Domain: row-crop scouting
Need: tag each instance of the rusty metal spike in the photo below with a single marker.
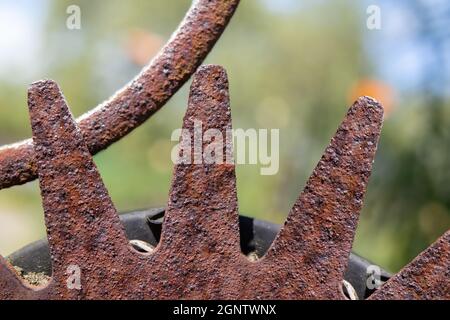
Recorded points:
(202, 211)
(317, 237)
(143, 96)
(82, 223)
(199, 256)
(427, 277)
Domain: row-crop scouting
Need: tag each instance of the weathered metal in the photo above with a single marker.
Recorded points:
(426, 277)
(256, 236)
(199, 254)
(83, 227)
(142, 97)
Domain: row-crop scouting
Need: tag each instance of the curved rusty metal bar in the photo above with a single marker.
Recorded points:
(143, 96)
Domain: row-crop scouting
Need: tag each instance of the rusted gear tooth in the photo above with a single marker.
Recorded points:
(84, 230)
(11, 286)
(316, 240)
(143, 96)
(202, 214)
(427, 277)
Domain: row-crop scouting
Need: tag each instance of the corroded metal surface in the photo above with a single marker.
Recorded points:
(199, 254)
(315, 242)
(426, 277)
(83, 227)
(142, 97)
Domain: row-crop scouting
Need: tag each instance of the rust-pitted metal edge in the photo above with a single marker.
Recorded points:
(83, 227)
(309, 256)
(195, 259)
(201, 231)
(142, 97)
(427, 277)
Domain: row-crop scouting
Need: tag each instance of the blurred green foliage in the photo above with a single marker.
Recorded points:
(291, 70)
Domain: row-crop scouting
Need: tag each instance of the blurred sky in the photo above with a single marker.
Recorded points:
(402, 59)
(21, 27)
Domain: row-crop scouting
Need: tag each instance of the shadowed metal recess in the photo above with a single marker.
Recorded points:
(199, 255)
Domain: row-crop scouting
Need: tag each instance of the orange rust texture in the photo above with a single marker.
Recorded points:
(426, 277)
(199, 255)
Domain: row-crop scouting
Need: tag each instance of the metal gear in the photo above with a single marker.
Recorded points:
(198, 256)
